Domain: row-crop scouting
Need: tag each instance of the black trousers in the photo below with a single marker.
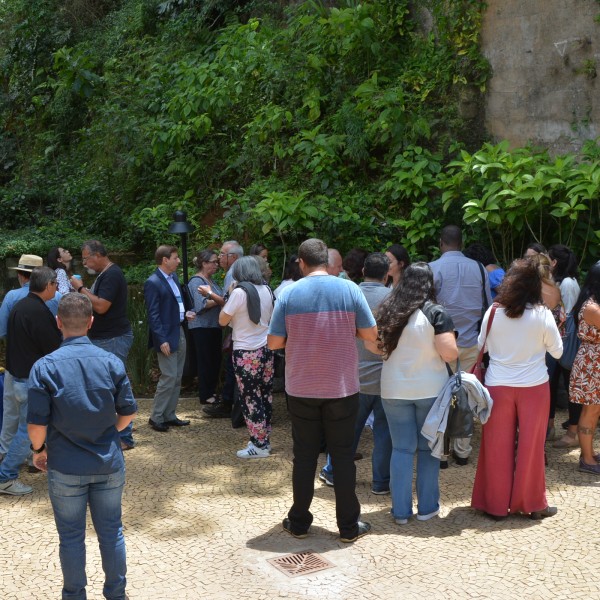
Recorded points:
(335, 418)
(207, 343)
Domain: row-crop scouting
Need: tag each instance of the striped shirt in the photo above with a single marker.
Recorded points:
(319, 316)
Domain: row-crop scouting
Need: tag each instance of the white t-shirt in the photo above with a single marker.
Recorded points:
(246, 334)
(415, 370)
(518, 347)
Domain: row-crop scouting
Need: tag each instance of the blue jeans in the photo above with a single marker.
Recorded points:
(69, 495)
(382, 441)
(18, 449)
(406, 418)
(15, 395)
(120, 347)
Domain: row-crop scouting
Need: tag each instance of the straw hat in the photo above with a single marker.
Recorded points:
(28, 262)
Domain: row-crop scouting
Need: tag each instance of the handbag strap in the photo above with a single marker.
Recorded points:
(484, 300)
(487, 332)
(458, 381)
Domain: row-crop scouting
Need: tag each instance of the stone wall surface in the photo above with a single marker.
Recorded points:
(544, 56)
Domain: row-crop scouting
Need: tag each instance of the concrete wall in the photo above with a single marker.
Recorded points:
(544, 87)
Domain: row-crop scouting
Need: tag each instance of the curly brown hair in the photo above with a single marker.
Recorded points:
(522, 285)
(414, 289)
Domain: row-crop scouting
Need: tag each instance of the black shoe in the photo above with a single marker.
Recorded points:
(443, 464)
(549, 511)
(460, 461)
(287, 526)
(217, 411)
(162, 427)
(177, 422)
(565, 424)
(363, 529)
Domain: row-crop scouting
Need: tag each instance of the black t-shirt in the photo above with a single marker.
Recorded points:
(32, 333)
(111, 286)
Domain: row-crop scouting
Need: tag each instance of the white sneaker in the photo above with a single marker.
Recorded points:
(14, 487)
(251, 451)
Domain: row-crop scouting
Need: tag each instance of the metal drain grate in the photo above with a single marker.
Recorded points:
(300, 563)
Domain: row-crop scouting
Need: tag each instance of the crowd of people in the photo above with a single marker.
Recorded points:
(391, 330)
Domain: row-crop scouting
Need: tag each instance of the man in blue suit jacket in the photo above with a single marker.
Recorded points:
(166, 315)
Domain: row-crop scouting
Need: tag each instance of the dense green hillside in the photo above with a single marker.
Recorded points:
(263, 119)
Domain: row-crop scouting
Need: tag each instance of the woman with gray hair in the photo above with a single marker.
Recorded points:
(248, 312)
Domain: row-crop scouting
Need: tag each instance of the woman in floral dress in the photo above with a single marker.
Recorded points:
(584, 385)
(248, 312)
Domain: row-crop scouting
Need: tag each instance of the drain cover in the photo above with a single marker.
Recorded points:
(300, 563)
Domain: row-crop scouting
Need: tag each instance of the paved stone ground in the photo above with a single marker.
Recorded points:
(201, 523)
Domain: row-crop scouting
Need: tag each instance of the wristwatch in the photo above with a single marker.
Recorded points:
(80, 288)
(39, 450)
(209, 294)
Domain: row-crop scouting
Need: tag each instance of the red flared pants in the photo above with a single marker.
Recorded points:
(512, 478)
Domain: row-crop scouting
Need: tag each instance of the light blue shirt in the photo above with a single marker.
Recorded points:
(176, 293)
(13, 297)
(458, 288)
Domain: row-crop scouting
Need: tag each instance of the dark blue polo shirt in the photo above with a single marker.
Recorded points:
(77, 391)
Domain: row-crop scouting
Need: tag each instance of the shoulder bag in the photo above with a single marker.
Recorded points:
(460, 417)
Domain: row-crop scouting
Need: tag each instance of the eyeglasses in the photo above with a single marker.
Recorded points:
(227, 254)
(55, 283)
(214, 262)
(85, 258)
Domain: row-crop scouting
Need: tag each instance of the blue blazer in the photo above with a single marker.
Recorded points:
(163, 311)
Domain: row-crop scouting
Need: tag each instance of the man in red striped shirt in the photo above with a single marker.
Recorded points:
(317, 320)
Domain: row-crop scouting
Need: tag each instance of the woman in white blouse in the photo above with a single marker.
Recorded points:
(512, 480)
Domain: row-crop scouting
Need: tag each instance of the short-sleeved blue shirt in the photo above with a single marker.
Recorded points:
(319, 316)
(77, 391)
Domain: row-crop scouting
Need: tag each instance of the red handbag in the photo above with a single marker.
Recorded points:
(479, 367)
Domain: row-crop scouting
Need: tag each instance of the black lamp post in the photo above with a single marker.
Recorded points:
(182, 227)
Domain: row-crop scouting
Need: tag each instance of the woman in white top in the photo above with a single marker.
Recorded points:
(248, 312)
(416, 340)
(509, 479)
(564, 273)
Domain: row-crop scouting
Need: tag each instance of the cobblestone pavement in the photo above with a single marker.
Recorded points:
(201, 523)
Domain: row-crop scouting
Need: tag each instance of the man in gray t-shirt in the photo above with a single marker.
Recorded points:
(369, 373)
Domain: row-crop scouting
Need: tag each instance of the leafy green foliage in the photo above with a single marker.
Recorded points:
(278, 124)
(523, 195)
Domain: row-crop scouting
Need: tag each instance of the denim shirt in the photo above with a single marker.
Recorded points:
(77, 391)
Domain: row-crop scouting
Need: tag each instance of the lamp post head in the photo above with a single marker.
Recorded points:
(180, 224)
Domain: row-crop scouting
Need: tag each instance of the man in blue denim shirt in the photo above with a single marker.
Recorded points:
(79, 400)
